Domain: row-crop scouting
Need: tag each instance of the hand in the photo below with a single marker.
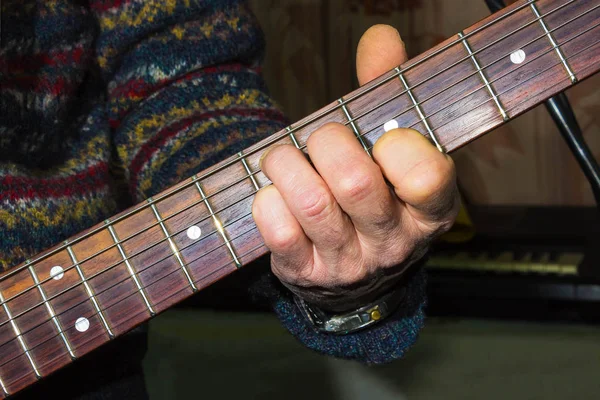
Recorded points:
(339, 236)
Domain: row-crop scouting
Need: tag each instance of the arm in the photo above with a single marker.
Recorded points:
(184, 89)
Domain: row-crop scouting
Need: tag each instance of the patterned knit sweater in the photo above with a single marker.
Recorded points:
(104, 103)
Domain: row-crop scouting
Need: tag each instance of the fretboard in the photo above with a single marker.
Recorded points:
(96, 286)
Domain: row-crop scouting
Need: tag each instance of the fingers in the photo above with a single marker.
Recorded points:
(283, 235)
(310, 201)
(379, 50)
(423, 178)
(326, 226)
(355, 181)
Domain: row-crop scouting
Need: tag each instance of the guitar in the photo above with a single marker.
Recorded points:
(103, 282)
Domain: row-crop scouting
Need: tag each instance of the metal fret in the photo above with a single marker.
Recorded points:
(354, 128)
(554, 44)
(219, 226)
(312, 118)
(484, 78)
(90, 292)
(4, 389)
(52, 313)
(248, 171)
(291, 134)
(174, 248)
(421, 115)
(129, 268)
(19, 337)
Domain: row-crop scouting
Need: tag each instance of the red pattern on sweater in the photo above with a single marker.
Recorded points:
(105, 5)
(139, 88)
(55, 58)
(92, 179)
(158, 141)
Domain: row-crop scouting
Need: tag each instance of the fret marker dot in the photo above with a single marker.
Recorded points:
(194, 232)
(56, 272)
(517, 57)
(82, 324)
(388, 126)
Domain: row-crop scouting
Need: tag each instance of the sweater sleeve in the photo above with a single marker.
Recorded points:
(184, 92)
(184, 89)
(380, 344)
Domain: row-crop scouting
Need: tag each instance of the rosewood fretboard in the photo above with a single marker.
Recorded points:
(96, 286)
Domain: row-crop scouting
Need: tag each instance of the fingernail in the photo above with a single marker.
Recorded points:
(262, 157)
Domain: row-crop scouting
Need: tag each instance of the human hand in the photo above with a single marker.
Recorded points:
(339, 235)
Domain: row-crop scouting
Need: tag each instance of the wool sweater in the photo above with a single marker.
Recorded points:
(104, 103)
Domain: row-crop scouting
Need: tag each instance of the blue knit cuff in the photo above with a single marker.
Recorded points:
(379, 344)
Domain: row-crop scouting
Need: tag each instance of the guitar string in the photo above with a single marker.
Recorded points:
(195, 243)
(69, 330)
(119, 242)
(249, 252)
(581, 72)
(133, 293)
(588, 46)
(350, 121)
(153, 225)
(262, 245)
(256, 172)
(366, 89)
(137, 274)
(346, 123)
(517, 85)
(529, 60)
(493, 81)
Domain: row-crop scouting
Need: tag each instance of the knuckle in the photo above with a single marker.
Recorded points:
(356, 274)
(285, 272)
(309, 276)
(344, 275)
(316, 204)
(449, 212)
(356, 187)
(386, 221)
(443, 214)
(446, 209)
(284, 238)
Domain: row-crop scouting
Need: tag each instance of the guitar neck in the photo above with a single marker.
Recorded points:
(100, 284)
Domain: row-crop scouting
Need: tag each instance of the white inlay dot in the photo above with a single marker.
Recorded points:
(56, 272)
(194, 232)
(388, 126)
(82, 324)
(517, 57)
